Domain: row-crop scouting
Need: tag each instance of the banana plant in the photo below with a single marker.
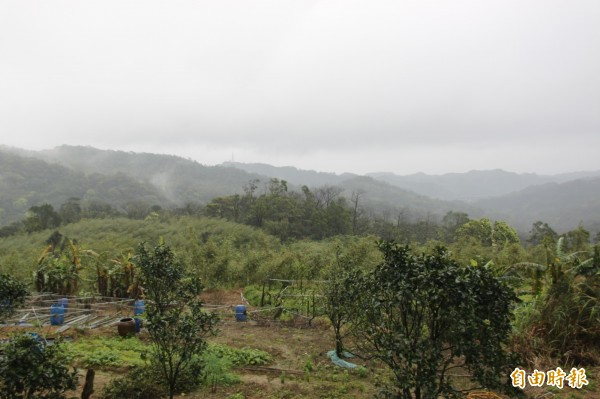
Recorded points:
(123, 278)
(558, 264)
(60, 272)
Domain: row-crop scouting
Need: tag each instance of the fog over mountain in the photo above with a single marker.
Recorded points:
(335, 86)
(469, 186)
(563, 205)
(475, 184)
(30, 178)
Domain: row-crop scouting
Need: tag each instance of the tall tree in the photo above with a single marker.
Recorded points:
(451, 223)
(40, 218)
(70, 211)
(577, 239)
(356, 210)
(542, 233)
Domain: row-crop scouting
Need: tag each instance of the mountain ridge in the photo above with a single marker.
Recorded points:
(475, 184)
(169, 180)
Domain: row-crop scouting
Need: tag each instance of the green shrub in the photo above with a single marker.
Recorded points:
(105, 352)
(147, 381)
(28, 369)
(139, 383)
(217, 371)
(12, 295)
(101, 360)
(240, 357)
(253, 294)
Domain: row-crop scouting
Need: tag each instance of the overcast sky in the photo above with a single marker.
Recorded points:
(359, 86)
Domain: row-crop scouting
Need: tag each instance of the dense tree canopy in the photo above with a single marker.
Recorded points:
(496, 235)
(424, 316)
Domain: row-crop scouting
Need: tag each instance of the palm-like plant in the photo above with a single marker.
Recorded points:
(120, 279)
(558, 263)
(59, 272)
(564, 319)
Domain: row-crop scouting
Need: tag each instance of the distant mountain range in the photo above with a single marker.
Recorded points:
(562, 205)
(379, 196)
(476, 184)
(179, 180)
(563, 200)
(30, 178)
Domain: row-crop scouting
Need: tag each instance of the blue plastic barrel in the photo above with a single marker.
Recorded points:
(64, 302)
(240, 313)
(57, 315)
(138, 307)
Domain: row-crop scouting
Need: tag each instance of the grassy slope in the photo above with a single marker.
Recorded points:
(112, 237)
(224, 253)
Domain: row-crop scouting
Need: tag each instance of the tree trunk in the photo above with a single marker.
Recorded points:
(339, 345)
(88, 388)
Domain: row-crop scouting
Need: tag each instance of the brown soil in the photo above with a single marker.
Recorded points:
(300, 367)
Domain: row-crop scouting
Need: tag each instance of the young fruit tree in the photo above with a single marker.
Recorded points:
(176, 322)
(338, 301)
(31, 370)
(12, 295)
(427, 318)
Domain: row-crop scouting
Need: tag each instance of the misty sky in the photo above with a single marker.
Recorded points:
(360, 86)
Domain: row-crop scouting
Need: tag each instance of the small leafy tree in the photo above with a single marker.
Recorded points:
(30, 370)
(338, 303)
(496, 235)
(424, 316)
(177, 323)
(12, 295)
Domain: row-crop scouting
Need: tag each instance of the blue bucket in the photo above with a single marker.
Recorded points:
(57, 315)
(138, 307)
(240, 313)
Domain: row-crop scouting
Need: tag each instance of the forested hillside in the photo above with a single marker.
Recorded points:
(563, 205)
(397, 202)
(134, 184)
(374, 195)
(182, 182)
(179, 179)
(291, 174)
(564, 200)
(27, 182)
